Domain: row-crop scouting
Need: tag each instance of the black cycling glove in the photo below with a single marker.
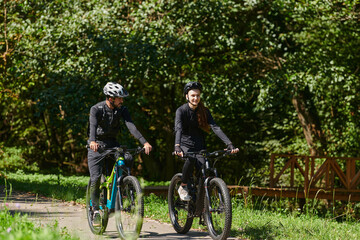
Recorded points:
(230, 147)
(177, 149)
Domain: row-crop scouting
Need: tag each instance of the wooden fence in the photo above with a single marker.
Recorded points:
(333, 178)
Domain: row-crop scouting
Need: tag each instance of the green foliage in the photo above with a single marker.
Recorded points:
(70, 188)
(264, 219)
(156, 207)
(11, 159)
(146, 183)
(19, 227)
(253, 57)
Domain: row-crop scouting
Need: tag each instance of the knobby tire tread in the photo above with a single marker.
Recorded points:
(135, 183)
(172, 190)
(218, 182)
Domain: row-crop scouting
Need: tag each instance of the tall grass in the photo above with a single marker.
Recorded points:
(15, 226)
(68, 188)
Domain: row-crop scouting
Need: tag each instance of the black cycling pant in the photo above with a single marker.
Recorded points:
(188, 167)
(96, 162)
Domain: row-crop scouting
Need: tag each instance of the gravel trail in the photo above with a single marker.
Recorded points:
(73, 217)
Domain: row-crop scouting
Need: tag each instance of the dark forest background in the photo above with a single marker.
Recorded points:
(279, 76)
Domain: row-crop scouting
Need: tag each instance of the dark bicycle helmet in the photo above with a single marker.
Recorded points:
(113, 89)
(192, 85)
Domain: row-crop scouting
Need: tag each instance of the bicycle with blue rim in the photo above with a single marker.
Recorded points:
(120, 193)
(210, 198)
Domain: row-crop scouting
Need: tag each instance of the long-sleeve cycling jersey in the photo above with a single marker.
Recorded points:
(105, 123)
(187, 130)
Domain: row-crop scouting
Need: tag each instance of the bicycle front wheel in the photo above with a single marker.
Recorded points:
(104, 211)
(178, 210)
(129, 208)
(218, 213)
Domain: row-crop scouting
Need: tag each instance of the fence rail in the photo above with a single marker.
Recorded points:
(333, 178)
(318, 173)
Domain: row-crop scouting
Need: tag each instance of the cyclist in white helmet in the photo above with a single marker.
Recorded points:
(105, 121)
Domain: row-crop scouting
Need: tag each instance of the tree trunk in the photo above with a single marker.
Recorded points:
(309, 121)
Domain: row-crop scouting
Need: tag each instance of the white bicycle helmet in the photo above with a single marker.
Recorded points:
(113, 89)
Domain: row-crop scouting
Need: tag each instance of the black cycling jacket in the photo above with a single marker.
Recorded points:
(187, 131)
(105, 123)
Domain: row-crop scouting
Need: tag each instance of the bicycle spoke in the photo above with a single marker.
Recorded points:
(178, 209)
(90, 211)
(218, 210)
(129, 217)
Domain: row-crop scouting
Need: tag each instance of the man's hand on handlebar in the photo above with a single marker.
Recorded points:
(178, 151)
(94, 146)
(147, 147)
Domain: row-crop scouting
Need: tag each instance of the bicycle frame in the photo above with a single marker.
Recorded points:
(210, 199)
(207, 173)
(113, 182)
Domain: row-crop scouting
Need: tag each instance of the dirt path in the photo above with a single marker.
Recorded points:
(73, 217)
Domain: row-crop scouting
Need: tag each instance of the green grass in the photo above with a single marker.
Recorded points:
(249, 223)
(14, 226)
(68, 188)
(258, 219)
(71, 188)
(264, 224)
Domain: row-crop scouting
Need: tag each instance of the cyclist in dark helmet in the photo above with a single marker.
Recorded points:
(192, 121)
(104, 126)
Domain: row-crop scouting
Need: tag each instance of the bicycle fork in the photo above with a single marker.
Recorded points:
(118, 183)
(207, 194)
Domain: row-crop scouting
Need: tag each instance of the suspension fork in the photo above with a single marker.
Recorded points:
(118, 183)
(131, 190)
(207, 185)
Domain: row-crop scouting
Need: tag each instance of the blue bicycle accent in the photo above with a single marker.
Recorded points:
(120, 193)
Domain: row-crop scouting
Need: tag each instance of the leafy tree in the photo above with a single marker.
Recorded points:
(278, 76)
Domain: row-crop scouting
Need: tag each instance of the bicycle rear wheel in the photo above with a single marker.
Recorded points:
(218, 213)
(178, 210)
(129, 217)
(104, 211)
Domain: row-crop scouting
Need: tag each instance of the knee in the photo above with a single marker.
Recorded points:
(190, 161)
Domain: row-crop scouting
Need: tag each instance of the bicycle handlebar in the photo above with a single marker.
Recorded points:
(215, 154)
(120, 149)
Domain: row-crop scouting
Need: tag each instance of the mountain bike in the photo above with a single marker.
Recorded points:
(120, 193)
(210, 199)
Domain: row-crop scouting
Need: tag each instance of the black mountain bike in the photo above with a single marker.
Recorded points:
(210, 199)
(120, 193)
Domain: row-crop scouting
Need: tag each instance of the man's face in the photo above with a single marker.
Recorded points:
(118, 102)
(193, 96)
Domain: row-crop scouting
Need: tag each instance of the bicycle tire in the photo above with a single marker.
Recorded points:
(104, 210)
(178, 210)
(129, 219)
(218, 216)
